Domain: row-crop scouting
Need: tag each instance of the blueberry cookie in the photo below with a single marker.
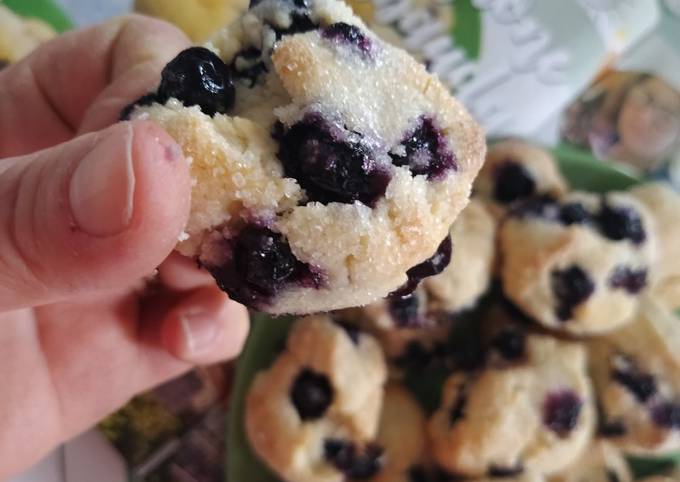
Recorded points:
(199, 19)
(600, 462)
(636, 376)
(663, 204)
(313, 416)
(404, 325)
(468, 276)
(531, 410)
(402, 435)
(579, 264)
(19, 36)
(514, 171)
(328, 165)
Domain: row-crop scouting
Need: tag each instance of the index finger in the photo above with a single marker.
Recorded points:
(80, 81)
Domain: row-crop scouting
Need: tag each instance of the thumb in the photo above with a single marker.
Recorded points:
(95, 213)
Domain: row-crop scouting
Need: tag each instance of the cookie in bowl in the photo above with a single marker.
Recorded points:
(532, 412)
(578, 264)
(663, 204)
(515, 171)
(328, 165)
(314, 414)
(635, 373)
(599, 462)
(468, 277)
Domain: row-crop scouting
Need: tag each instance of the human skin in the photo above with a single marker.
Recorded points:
(89, 208)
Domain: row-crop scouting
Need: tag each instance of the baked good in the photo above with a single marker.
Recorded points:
(599, 462)
(199, 19)
(314, 414)
(635, 372)
(402, 324)
(19, 35)
(516, 170)
(402, 436)
(579, 264)
(328, 165)
(663, 203)
(531, 410)
(468, 276)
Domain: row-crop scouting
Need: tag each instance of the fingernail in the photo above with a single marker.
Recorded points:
(200, 331)
(103, 186)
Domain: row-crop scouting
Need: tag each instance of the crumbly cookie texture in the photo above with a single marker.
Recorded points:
(327, 167)
(314, 414)
(19, 36)
(405, 326)
(579, 264)
(663, 204)
(635, 372)
(532, 412)
(468, 276)
(402, 435)
(515, 171)
(599, 462)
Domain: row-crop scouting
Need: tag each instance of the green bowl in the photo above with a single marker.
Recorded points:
(267, 336)
(45, 10)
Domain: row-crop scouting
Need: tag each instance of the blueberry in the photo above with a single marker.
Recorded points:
(512, 182)
(641, 385)
(405, 310)
(510, 344)
(299, 23)
(621, 223)
(356, 465)
(544, 207)
(503, 472)
(561, 412)
(352, 35)
(311, 395)
(667, 415)
(572, 286)
(425, 151)
(457, 412)
(417, 474)
(611, 429)
(430, 267)
(630, 279)
(199, 77)
(329, 165)
(261, 266)
(248, 66)
(144, 100)
(574, 213)
(612, 476)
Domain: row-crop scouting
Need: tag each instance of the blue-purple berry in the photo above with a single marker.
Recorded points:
(346, 34)
(571, 287)
(311, 394)
(512, 182)
(199, 77)
(425, 151)
(561, 411)
(354, 463)
(329, 164)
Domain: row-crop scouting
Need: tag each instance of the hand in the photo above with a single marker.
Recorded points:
(82, 223)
